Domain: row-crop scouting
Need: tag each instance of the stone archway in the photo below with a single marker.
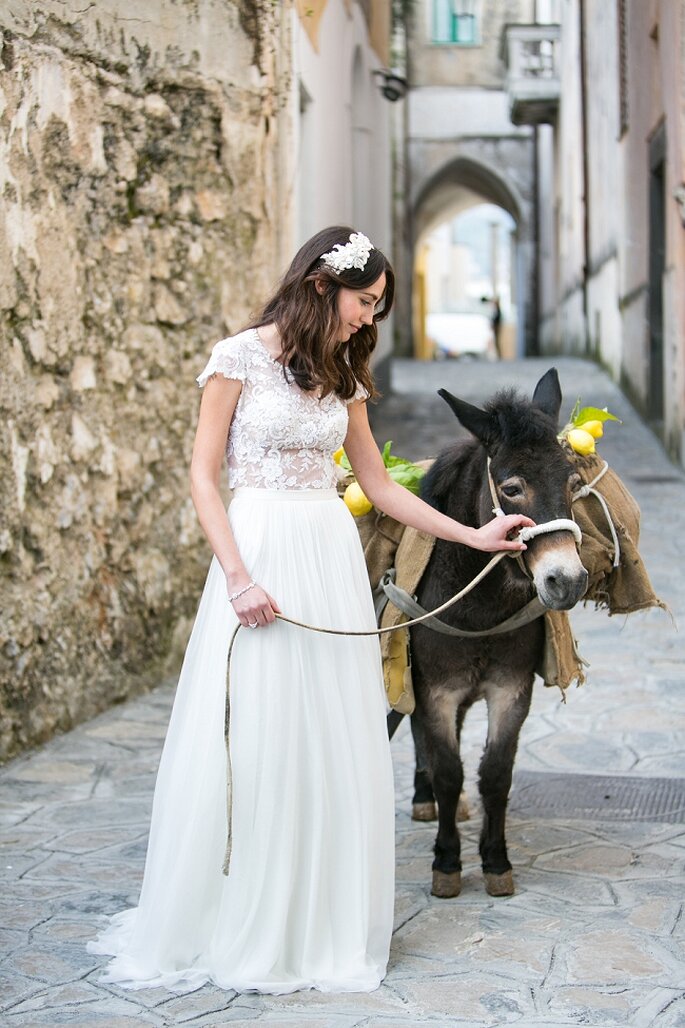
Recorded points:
(460, 182)
(449, 176)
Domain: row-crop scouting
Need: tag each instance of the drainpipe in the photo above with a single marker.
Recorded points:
(586, 173)
(534, 349)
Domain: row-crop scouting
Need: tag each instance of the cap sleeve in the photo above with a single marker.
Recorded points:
(227, 359)
(360, 393)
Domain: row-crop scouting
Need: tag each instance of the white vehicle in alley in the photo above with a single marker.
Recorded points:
(462, 333)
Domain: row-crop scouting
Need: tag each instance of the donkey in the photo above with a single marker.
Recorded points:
(531, 475)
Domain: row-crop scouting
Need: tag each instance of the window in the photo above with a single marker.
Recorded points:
(455, 21)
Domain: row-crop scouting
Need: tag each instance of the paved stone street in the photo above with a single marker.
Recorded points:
(595, 934)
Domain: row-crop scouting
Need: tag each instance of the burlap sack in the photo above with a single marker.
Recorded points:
(411, 560)
(622, 589)
(380, 536)
(561, 664)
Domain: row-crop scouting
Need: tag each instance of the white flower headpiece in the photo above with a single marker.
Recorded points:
(353, 254)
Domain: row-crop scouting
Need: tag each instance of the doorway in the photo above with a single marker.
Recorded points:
(465, 281)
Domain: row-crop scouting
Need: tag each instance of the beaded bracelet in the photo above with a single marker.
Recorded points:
(240, 592)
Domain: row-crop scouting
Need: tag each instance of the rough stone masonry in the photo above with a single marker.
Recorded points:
(137, 159)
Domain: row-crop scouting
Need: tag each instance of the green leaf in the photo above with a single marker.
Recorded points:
(407, 475)
(401, 470)
(390, 460)
(591, 414)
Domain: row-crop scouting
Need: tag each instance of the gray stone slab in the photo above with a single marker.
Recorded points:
(94, 840)
(15, 987)
(133, 734)
(46, 778)
(617, 1005)
(49, 963)
(468, 999)
(95, 813)
(242, 1018)
(383, 1002)
(60, 929)
(85, 1016)
(672, 1014)
(14, 811)
(69, 995)
(610, 955)
(148, 999)
(17, 914)
(206, 1001)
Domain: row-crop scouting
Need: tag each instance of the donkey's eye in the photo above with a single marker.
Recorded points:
(574, 481)
(512, 488)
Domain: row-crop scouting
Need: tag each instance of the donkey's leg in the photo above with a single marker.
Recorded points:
(423, 803)
(447, 773)
(463, 811)
(508, 706)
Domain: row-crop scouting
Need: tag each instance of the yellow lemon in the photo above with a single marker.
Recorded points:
(593, 427)
(581, 441)
(338, 455)
(356, 502)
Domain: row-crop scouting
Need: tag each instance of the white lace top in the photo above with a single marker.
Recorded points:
(281, 437)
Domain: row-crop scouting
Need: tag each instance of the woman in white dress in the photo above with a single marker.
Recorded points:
(308, 898)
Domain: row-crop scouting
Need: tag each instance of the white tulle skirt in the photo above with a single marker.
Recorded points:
(308, 902)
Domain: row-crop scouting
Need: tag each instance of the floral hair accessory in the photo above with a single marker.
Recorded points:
(353, 254)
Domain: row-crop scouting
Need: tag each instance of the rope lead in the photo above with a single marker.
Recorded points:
(559, 524)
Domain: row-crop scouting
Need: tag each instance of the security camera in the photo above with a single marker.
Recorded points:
(392, 85)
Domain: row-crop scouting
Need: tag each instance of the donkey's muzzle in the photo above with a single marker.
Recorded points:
(560, 588)
(556, 569)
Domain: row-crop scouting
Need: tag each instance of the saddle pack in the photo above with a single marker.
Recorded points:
(617, 578)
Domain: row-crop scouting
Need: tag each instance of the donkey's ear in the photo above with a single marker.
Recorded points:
(477, 421)
(547, 395)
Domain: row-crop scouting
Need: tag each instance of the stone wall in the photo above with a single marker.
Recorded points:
(138, 204)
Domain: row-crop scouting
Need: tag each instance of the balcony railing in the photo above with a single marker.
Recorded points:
(532, 55)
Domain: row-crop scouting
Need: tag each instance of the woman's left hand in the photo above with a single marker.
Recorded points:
(495, 534)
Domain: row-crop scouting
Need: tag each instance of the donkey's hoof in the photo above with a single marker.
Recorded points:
(446, 886)
(424, 812)
(463, 812)
(499, 885)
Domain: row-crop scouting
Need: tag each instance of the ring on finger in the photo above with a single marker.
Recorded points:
(252, 624)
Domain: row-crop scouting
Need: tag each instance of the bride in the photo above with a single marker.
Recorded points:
(308, 898)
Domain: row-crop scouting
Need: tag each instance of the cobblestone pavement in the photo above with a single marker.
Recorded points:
(595, 934)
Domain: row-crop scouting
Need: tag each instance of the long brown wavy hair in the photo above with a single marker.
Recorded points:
(308, 322)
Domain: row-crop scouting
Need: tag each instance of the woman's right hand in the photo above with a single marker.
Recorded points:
(254, 608)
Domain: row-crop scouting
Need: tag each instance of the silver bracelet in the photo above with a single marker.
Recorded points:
(250, 585)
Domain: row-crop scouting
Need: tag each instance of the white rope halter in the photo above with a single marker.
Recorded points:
(563, 524)
(557, 525)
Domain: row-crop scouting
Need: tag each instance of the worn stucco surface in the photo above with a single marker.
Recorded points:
(137, 162)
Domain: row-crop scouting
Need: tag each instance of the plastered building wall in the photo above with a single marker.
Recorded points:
(478, 66)
(595, 169)
(342, 128)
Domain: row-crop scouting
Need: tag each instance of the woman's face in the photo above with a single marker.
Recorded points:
(356, 307)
